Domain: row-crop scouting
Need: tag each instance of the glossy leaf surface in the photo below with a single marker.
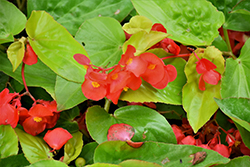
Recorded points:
(189, 23)
(149, 125)
(239, 161)
(43, 163)
(54, 46)
(88, 152)
(14, 161)
(104, 43)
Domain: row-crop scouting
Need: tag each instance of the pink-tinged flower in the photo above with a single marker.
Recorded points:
(132, 63)
(95, 86)
(155, 68)
(30, 56)
(114, 96)
(158, 27)
(9, 108)
(170, 46)
(133, 82)
(56, 138)
(37, 121)
(82, 59)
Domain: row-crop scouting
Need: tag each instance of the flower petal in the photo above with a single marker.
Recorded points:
(212, 77)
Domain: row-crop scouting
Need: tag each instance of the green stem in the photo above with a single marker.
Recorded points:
(107, 105)
(228, 43)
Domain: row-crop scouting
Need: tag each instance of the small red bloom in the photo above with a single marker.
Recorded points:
(82, 59)
(56, 138)
(222, 149)
(188, 140)
(178, 133)
(30, 56)
(170, 46)
(158, 27)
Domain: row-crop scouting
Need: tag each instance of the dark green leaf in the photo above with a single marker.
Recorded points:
(3, 81)
(171, 111)
(236, 162)
(149, 125)
(14, 161)
(88, 152)
(104, 43)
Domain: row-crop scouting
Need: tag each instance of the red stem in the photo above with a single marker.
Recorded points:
(180, 55)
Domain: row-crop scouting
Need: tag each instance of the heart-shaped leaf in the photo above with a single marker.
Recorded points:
(150, 125)
(105, 41)
(12, 21)
(9, 141)
(200, 105)
(55, 46)
(189, 23)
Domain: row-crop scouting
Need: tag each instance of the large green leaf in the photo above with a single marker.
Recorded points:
(48, 163)
(71, 14)
(12, 21)
(149, 125)
(237, 109)
(137, 163)
(88, 152)
(14, 161)
(236, 162)
(171, 94)
(68, 94)
(8, 141)
(38, 75)
(73, 147)
(103, 38)
(34, 147)
(200, 105)
(193, 23)
(55, 46)
(236, 81)
(161, 153)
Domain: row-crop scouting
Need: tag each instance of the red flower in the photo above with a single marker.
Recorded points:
(30, 56)
(82, 59)
(37, 121)
(9, 108)
(208, 74)
(56, 138)
(158, 27)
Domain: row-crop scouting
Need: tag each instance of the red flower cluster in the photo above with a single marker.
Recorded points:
(9, 106)
(40, 116)
(127, 74)
(209, 138)
(208, 74)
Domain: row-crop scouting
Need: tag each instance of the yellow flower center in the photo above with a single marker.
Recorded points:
(95, 84)
(130, 60)
(151, 66)
(126, 88)
(38, 119)
(86, 67)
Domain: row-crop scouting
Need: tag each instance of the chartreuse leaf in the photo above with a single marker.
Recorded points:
(161, 153)
(137, 24)
(236, 81)
(8, 141)
(73, 147)
(103, 165)
(14, 161)
(170, 94)
(200, 105)
(189, 22)
(15, 53)
(34, 147)
(38, 75)
(138, 163)
(144, 40)
(55, 46)
(12, 21)
(68, 94)
(88, 152)
(149, 124)
(71, 14)
(105, 41)
(44, 163)
(238, 161)
(237, 109)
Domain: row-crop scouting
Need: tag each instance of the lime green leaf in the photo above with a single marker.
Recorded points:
(237, 109)
(38, 75)
(138, 163)
(238, 161)
(220, 44)
(237, 74)
(200, 105)
(68, 94)
(150, 125)
(34, 147)
(105, 41)
(103, 165)
(55, 46)
(44, 163)
(88, 152)
(161, 153)
(12, 21)
(137, 24)
(14, 161)
(16, 52)
(71, 14)
(143, 40)
(73, 147)
(171, 94)
(8, 141)
(189, 23)
(66, 120)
